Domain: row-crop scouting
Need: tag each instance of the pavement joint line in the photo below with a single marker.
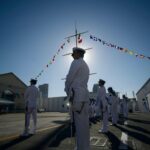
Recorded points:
(97, 141)
(17, 135)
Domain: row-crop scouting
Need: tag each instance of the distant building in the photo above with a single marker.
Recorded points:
(93, 94)
(143, 97)
(43, 101)
(95, 88)
(58, 104)
(11, 93)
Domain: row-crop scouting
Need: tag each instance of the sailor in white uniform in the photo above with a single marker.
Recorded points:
(121, 106)
(109, 106)
(30, 96)
(125, 106)
(103, 106)
(76, 83)
(114, 105)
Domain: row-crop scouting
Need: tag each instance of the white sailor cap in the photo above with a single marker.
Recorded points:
(34, 81)
(101, 81)
(78, 49)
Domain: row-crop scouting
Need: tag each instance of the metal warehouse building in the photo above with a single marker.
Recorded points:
(143, 97)
(11, 93)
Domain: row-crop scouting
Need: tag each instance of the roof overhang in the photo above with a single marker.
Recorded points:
(5, 102)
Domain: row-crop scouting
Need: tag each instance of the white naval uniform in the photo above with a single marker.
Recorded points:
(125, 107)
(109, 105)
(77, 79)
(121, 106)
(30, 96)
(114, 108)
(103, 106)
(91, 110)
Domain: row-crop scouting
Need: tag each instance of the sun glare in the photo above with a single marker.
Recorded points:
(87, 56)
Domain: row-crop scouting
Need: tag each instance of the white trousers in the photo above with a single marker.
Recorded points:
(114, 114)
(105, 121)
(29, 111)
(82, 128)
(125, 110)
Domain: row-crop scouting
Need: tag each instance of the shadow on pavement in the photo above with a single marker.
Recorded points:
(140, 121)
(65, 133)
(59, 122)
(52, 138)
(138, 128)
(49, 138)
(136, 135)
(14, 142)
(114, 140)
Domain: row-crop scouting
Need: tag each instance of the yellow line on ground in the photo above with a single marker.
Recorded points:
(9, 137)
(50, 127)
(17, 135)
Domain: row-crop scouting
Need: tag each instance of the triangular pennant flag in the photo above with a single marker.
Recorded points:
(136, 54)
(130, 52)
(108, 44)
(125, 50)
(62, 46)
(141, 56)
(121, 48)
(99, 40)
(79, 40)
(148, 58)
(118, 47)
(95, 38)
(91, 37)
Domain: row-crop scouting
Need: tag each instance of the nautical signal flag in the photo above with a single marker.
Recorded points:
(119, 48)
(79, 39)
(52, 60)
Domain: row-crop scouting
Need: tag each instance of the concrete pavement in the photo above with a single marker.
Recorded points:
(13, 124)
(134, 133)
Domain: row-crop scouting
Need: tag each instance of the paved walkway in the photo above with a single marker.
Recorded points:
(134, 133)
(13, 124)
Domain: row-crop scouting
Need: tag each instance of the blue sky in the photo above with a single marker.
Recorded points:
(31, 32)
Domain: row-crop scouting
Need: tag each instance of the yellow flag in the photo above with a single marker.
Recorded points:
(130, 52)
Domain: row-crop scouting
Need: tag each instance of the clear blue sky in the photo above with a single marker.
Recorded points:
(31, 31)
